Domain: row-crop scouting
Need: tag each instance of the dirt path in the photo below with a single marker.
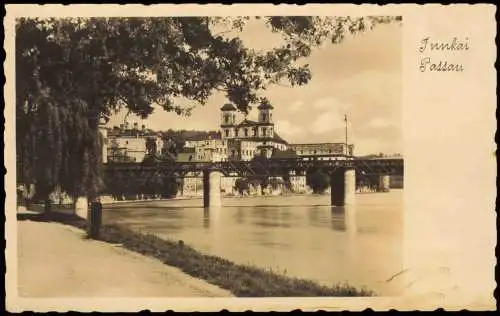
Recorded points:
(57, 261)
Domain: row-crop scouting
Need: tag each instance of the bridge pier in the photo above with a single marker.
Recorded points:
(384, 183)
(343, 187)
(211, 188)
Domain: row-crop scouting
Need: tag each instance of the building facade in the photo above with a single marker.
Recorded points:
(247, 139)
(322, 150)
(124, 144)
(254, 137)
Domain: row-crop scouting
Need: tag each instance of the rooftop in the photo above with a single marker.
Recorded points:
(276, 138)
(119, 132)
(265, 106)
(228, 107)
(247, 122)
(317, 144)
(289, 153)
(202, 137)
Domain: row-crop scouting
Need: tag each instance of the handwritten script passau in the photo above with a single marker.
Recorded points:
(454, 45)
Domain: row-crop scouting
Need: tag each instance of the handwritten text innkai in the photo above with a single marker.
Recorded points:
(446, 47)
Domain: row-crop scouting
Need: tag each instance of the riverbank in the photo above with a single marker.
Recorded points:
(200, 197)
(240, 280)
(109, 201)
(226, 197)
(56, 260)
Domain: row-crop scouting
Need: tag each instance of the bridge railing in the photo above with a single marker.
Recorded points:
(270, 167)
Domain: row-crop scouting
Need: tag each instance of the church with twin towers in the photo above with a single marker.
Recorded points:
(246, 139)
(255, 137)
(264, 127)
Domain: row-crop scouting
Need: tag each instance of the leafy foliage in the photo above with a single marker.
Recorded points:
(259, 165)
(241, 185)
(317, 181)
(121, 186)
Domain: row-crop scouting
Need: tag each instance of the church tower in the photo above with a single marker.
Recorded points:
(266, 125)
(228, 120)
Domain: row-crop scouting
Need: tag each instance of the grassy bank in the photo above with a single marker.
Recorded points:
(241, 280)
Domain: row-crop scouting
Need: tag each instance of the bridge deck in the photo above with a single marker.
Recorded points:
(389, 166)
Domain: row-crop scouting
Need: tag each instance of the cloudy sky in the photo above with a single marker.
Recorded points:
(360, 77)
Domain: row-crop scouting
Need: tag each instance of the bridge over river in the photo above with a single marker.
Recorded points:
(341, 170)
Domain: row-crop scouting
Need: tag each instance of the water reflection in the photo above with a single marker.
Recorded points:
(212, 217)
(206, 218)
(314, 216)
(360, 244)
(343, 219)
(239, 216)
(338, 219)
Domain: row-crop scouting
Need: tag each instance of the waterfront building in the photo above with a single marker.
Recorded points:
(199, 140)
(192, 185)
(212, 150)
(124, 144)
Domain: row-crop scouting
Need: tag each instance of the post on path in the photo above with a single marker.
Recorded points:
(95, 219)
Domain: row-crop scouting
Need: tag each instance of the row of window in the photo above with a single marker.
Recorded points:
(207, 142)
(218, 150)
(248, 152)
(314, 152)
(246, 132)
(265, 117)
(203, 158)
(245, 153)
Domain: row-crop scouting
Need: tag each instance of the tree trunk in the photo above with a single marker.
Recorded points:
(73, 198)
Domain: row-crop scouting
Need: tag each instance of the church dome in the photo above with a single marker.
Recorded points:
(228, 107)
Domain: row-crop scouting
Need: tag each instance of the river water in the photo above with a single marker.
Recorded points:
(298, 236)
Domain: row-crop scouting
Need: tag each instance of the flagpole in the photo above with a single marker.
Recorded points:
(346, 143)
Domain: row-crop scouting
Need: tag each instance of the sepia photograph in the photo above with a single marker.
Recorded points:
(258, 155)
(211, 156)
